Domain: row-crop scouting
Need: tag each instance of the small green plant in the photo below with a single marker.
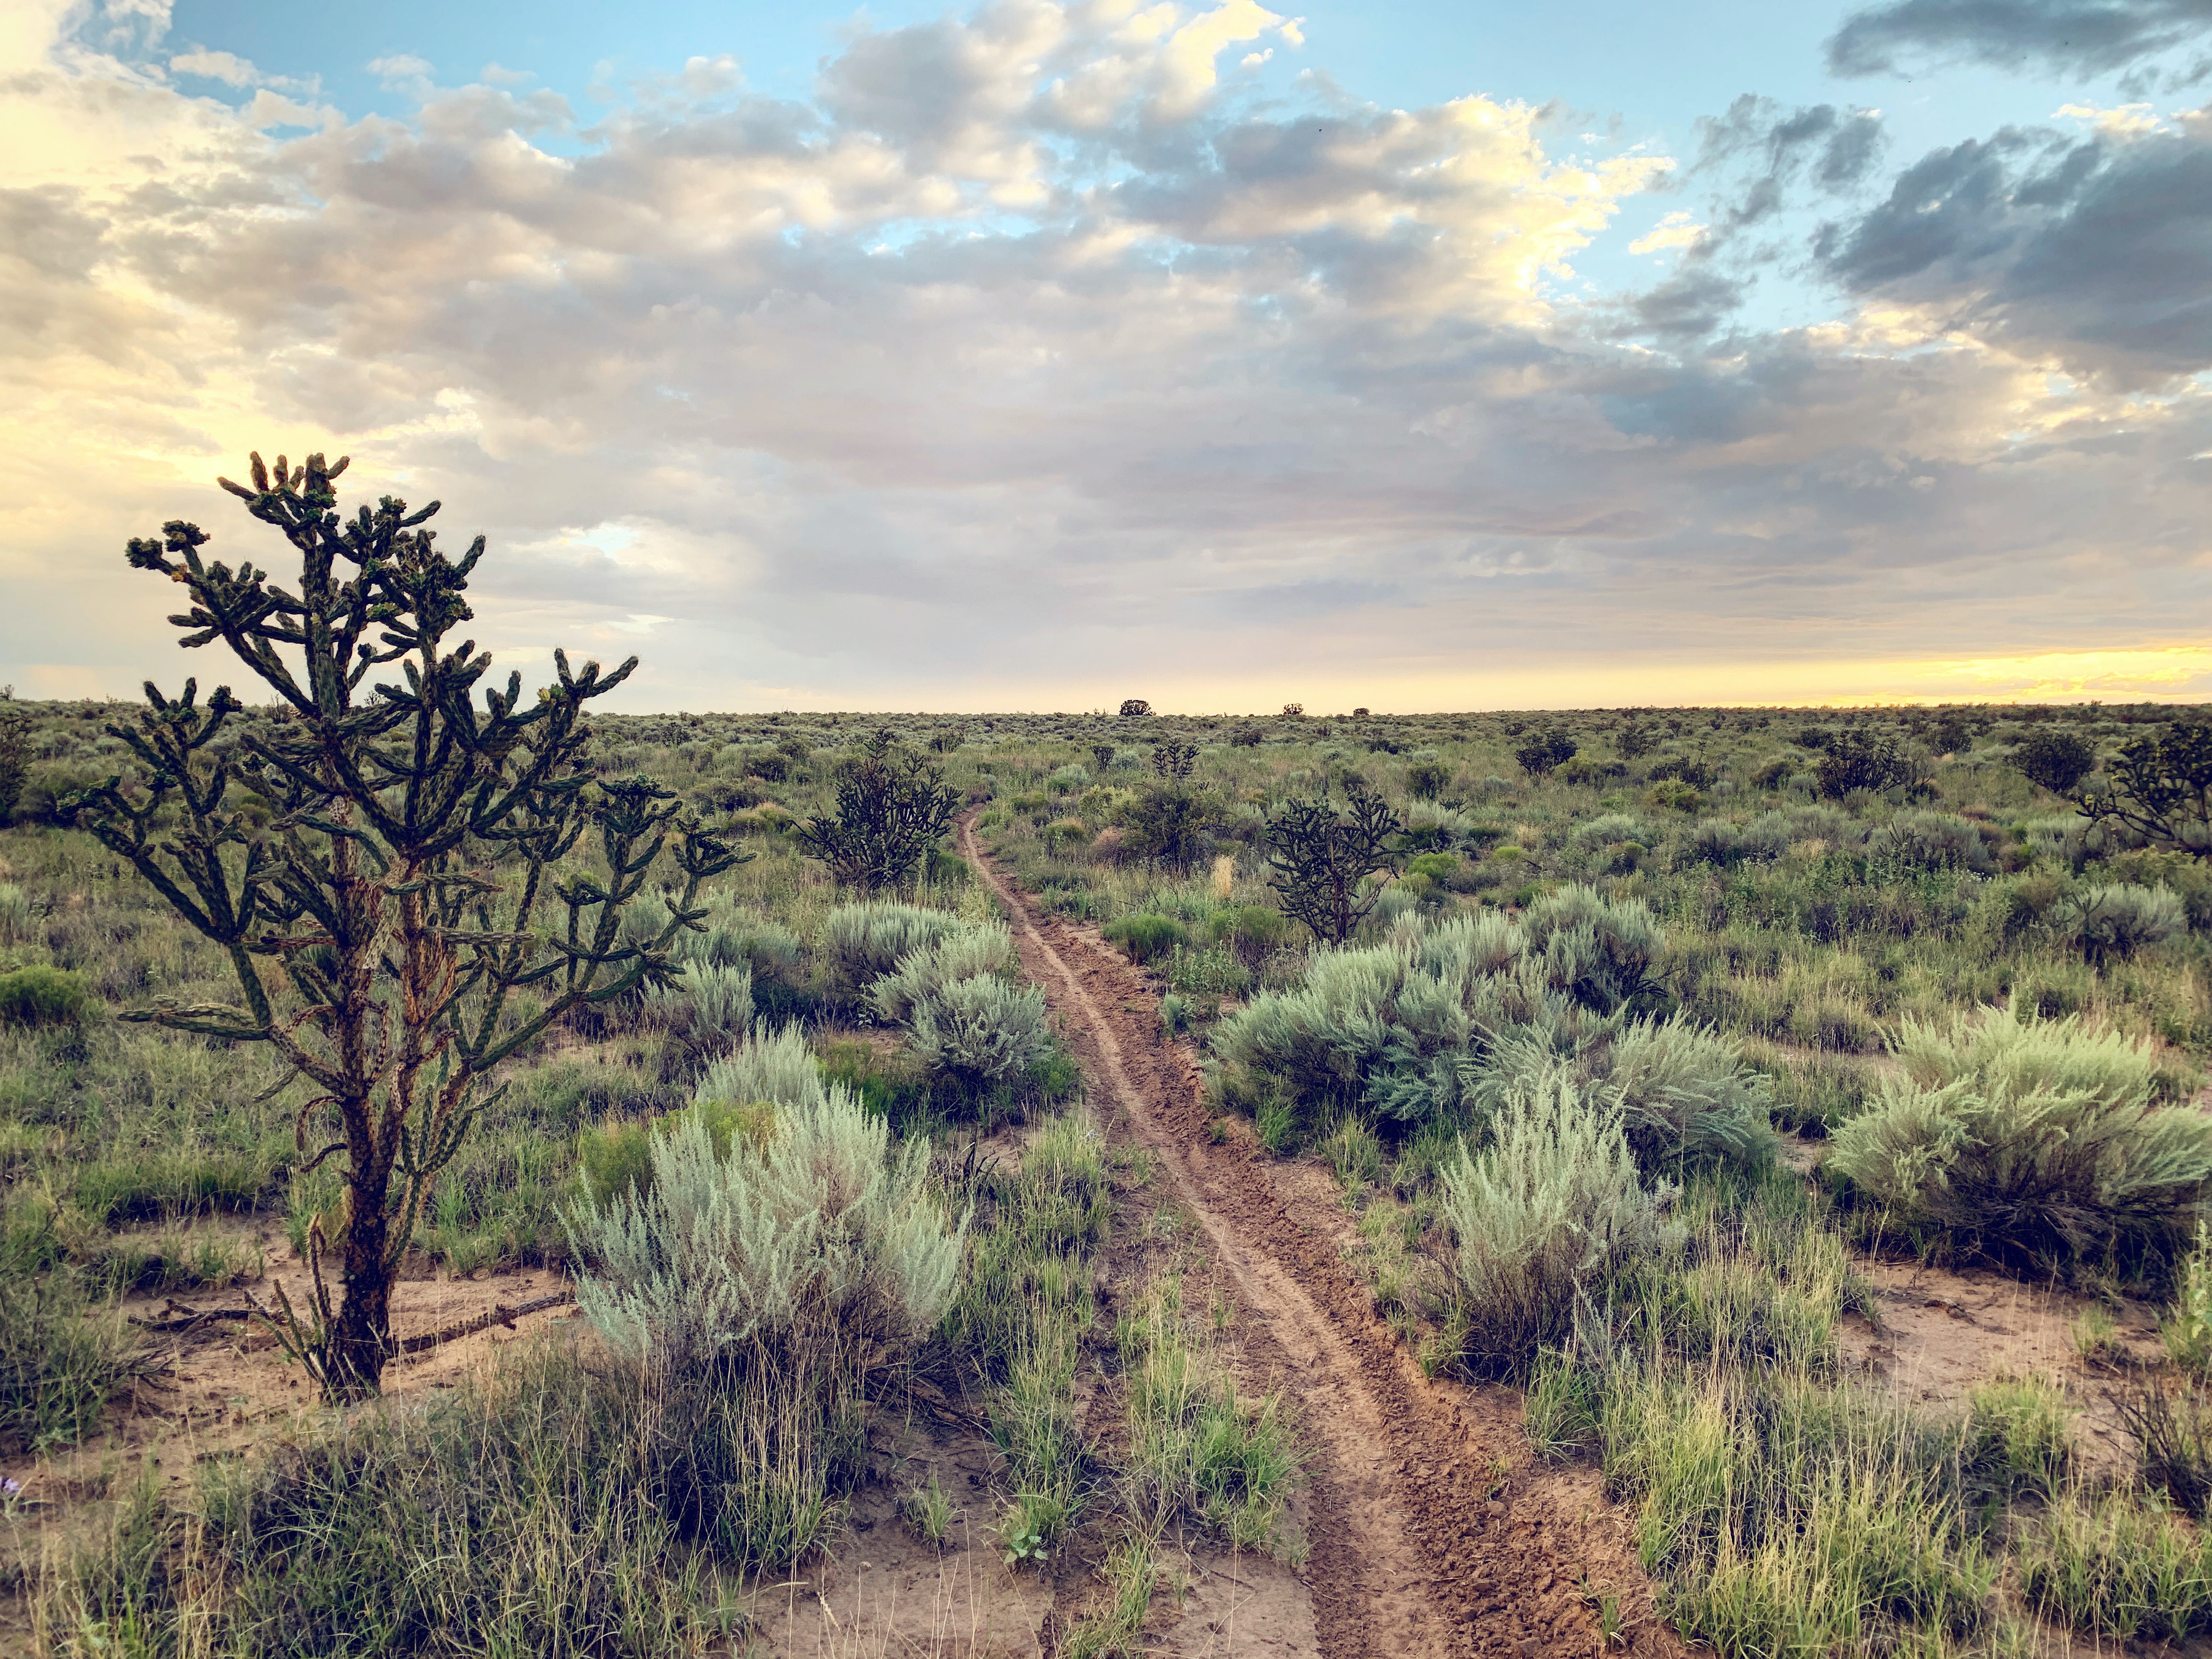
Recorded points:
(1560, 1414)
(1277, 1121)
(1354, 1153)
(40, 995)
(2186, 1328)
(928, 1510)
(1022, 1536)
(2018, 1437)
(2097, 1338)
(1612, 1627)
(1147, 936)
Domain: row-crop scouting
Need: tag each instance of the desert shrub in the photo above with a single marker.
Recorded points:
(1426, 780)
(708, 1001)
(1251, 930)
(1684, 1091)
(1597, 950)
(2035, 1140)
(616, 1158)
(732, 940)
(892, 807)
(1550, 1210)
(1398, 1028)
(41, 995)
(1545, 753)
(2055, 758)
(1856, 761)
(982, 1031)
(1765, 837)
(1389, 1025)
(776, 1066)
(1169, 821)
(865, 941)
(983, 948)
(2066, 840)
(1816, 821)
(1932, 841)
(1714, 841)
(1147, 936)
(60, 1356)
(822, 1236)
(2108, 923)
(1607, 828)
(1680, 1091)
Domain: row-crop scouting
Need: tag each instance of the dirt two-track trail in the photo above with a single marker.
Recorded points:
(1431, 1534)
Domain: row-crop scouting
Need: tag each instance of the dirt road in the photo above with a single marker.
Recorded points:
(1427, 1538)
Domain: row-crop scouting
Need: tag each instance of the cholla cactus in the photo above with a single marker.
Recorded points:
(380, 928)
(1318, 857)
(891, 808)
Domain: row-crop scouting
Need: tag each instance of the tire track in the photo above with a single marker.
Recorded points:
(1425, 1542)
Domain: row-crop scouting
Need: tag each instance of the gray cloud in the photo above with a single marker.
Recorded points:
(1023, 356)
(2077, 37)
(2097, 252)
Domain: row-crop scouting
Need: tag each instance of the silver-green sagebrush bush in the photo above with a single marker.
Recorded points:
(983, 1029)
(823, 1231)
(2113, 922)
(865, 941)
(710, 1000)
(924, 972)
(2037, 1139)
(777, 1066)
(1552, 1209)
(1681, 1089)
(1451, 1017)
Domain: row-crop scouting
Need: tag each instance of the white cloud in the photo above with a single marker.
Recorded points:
(2122, 121)
(401, 71)
(1676, 230)
(1019, 362)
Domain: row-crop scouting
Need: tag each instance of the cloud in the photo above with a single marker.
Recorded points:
(401, 71)
(2095, 254)
(1030, 360)
(2070, 37)
(1676, 230)
(2127, 121)
(1760, 165)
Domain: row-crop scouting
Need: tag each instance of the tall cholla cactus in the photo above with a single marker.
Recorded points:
(399, 898)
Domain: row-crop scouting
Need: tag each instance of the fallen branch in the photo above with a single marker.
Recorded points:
(500, 1314)
(190, 1318)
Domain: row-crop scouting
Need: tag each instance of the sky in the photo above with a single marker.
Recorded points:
(1032, 355)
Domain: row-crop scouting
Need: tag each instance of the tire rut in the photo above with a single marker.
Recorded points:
(1426, 1541)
